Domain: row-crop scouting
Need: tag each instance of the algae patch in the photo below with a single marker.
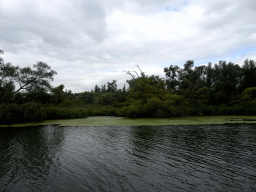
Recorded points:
(116, 121)
(241, 119)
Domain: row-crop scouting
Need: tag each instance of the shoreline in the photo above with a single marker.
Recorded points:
(119, 121)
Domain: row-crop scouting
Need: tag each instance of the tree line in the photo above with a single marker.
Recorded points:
(26, 94)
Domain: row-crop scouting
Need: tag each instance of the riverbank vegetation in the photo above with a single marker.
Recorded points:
(26, 94)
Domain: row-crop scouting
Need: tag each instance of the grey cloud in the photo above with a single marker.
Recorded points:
(159, 2)
(42, 27)
(80, 45)
(94, 21)
(217, 6)
(58, 40)
(231, 22)
(220, 13)
(93, 11)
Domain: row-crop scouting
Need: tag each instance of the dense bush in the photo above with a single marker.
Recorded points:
(27, 112)
(9, 113)
(236, 110)
(207, 110)
(31, 112)
(65, 113)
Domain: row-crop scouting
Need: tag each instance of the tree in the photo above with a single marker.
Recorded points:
(171, 74)
(58, 95)
(97, 89)
(8, 73)
(112, 87)
(103, 89)
(27, 79)
(248, 75)
(209, 72)
(144, 87)
(188, 67)
(124, 89)
(41, 77)
(185, 74)
(88, 97)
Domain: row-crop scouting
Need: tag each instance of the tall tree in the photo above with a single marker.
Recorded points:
(209, 72)
(171, 74)
(124, 88)
(111, 87)
(97, 89)
(27, 78)
(58, 94)
(248, 75)
(103, 89)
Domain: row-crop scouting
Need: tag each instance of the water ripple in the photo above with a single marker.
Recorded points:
(129, 158)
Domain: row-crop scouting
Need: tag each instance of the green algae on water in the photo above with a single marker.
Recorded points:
(115, 121)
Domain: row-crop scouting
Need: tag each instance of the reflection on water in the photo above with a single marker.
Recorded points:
(29, 157)
(129, 158)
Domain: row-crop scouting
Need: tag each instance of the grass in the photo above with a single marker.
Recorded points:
(111, 121)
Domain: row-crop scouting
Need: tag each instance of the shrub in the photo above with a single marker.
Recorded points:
(9, 113)
(32, 112)
(65, 113)
(133, 112)
(161, 114)
(122, 112)
(66, 103)
(207, 110)
(27, 112)
(234, 110)
(90, 112)
(153, 104)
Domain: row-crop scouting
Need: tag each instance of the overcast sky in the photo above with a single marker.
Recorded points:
(91, 42)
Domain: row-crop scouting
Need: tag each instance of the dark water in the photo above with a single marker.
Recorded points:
(129, 158)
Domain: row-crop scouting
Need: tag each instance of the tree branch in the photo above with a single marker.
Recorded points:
(22, 87)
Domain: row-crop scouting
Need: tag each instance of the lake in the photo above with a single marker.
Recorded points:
(128, 158)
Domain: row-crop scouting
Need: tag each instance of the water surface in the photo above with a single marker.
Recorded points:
(129, 158)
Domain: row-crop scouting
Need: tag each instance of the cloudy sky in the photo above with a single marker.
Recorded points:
(91, 42)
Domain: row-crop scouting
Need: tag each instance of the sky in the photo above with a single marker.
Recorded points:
(92, 42)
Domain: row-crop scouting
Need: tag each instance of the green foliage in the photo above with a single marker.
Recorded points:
(29, 80)
(233, 110)
(207, 110)
(6, 91)
(27, 112)
(249, 94)
(216, 89)
(90, 112)
(32, 112)
(159, 113)
(103, 99)
(97, 89)
(111, 87)
(9, 113)
(203, 94)
(88, 97)
(58, 95)
(153, 104)
(192, 90)
(117, 97)
(171, 74)
(72, 102)
(65, 113)
(248, 77)
(67, 103)
(133, 112)
(40, 77)
(174, 98)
